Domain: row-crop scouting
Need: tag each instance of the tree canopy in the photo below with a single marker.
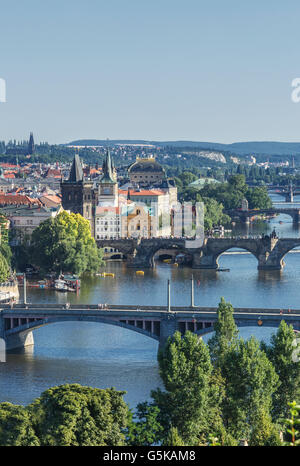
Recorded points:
(65, 243)
(186, 370)
(67, 415)
(4, 269)
(280, 351)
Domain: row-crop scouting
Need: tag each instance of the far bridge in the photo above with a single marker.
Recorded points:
(156, 322)
(245, 215)
(288, 192)
(269, 252)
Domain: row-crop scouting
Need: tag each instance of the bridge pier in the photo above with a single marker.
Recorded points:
(19, 340)
(204, 260)
(296, 217)
(289, 197)
(168, 326)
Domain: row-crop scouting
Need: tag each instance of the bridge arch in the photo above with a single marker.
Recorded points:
(23, 332)
(146, 256)
(249, 249)
(285, 249)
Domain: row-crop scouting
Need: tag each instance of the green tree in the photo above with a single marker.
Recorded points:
(6, 252)
(16, 427)
(258, 198)
(173, 439)
(251, 381)
(64, 243)
(213, 214)
(73, 415)
(226, 333)
(280, 352)
(4, 269)
(186, 370)
(263, 432)
(146, 430)
(4, 223)
(293, 424)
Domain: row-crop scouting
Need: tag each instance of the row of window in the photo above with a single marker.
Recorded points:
(106, 229)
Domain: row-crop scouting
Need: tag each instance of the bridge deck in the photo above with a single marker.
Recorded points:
(114, 310)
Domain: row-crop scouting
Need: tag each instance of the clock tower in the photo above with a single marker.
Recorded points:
(108, 186)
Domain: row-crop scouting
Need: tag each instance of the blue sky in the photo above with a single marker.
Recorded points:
(150, 69)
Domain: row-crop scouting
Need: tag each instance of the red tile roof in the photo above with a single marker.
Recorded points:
(17, 199)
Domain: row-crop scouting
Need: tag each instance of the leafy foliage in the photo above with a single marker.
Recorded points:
(73, 415)
(186, 370)
(4, 269)
(64, 243)
(146, 430)
(251, 381)
(173, 438)
(226, 333)
(16, 427)
(280, 352)
(293, 423)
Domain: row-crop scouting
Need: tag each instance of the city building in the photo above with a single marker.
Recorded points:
(25, 218)
(131, 211)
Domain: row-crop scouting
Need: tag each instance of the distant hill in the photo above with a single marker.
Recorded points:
(242, 148)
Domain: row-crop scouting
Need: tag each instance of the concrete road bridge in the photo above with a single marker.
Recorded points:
(269, 252)
(245, 215)
(288, 192)
(156, 322)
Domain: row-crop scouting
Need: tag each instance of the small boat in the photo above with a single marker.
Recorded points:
(105, 274)
(140, 272)
(71, 280)
(61, 285)
(223, 270)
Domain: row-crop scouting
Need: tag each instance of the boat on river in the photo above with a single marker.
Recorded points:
(61, 285)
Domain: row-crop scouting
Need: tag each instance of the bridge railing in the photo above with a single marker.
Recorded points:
(116, 307)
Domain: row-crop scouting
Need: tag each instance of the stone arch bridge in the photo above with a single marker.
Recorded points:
(269, 252)
(157, 322)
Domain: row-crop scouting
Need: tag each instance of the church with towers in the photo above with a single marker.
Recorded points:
(81, 195)
(115, 212)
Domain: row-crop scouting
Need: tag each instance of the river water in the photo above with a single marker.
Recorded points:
(103, 356)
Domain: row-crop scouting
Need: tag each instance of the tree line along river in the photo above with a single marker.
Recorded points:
(102, 356)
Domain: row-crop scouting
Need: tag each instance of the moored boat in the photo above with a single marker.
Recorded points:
(61, 285)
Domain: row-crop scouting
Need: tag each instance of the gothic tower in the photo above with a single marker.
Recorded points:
(77, 193)
(31, 145)
(108, 185)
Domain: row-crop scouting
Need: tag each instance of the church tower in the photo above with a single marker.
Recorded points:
(31, 145)
(77, 193)
(108, 194)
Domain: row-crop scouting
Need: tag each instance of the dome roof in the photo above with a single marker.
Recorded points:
(146, 165)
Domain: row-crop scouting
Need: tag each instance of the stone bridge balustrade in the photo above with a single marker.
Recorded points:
(269, 252)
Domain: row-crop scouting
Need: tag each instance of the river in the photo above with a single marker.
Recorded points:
(102, 356)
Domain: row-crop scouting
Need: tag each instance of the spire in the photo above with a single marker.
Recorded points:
(76, 173)
(107, 168)
(31, 144)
